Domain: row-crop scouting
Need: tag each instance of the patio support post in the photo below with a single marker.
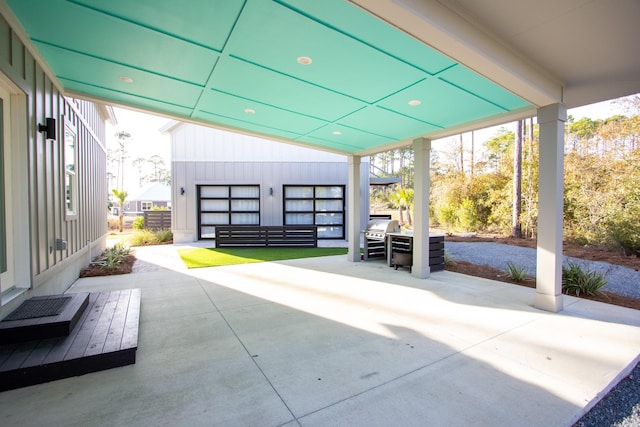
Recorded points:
(353, 209)
(422, 163)
(551, 119)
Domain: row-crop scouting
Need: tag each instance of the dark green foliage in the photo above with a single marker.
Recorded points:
(516, 273)
(577, 281)
(112, 257)
(163, 236)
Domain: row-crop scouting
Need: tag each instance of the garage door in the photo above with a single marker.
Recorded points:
(321, 205)
(227, 205)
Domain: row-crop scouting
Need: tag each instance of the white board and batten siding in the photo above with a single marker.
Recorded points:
(205, 156)
(58, 219)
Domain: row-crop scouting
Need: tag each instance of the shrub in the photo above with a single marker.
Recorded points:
(113, 223)
(625, 234)
(147, 237)
(163, 236)
(113, 257)
(578, 281)
(138, 223)
(142, 238)
(516, 273)
(446, 216)
(467, 215)
(448, 261)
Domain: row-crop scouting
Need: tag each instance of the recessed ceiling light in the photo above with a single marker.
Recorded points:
(126, 79)
(337, 132)
(415, 102)
(304, 60)
(250, 111)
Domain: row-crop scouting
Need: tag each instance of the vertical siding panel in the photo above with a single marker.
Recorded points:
(5, 41)
(191, 199)
(49, 174)
(39, 172)
(17, 55)
(200, 171)
(31, 167)
(57, 171)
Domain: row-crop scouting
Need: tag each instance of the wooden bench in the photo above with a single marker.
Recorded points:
(290, 236)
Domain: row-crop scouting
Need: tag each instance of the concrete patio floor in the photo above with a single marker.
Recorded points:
(326, 342)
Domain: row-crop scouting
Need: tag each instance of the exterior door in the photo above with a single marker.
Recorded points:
(6, 223)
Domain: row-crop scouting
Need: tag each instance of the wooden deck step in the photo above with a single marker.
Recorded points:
(43, 317)
(105, 337)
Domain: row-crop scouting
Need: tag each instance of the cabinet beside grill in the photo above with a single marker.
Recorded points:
(402, 243)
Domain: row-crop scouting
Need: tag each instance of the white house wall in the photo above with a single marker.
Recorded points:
(38, 197)
(205, 156)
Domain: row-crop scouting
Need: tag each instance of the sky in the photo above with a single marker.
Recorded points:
(147, 140)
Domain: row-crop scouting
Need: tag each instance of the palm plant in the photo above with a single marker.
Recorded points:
(121, 195)
(402, 199)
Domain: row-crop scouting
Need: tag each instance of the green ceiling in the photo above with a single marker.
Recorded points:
(233, 63)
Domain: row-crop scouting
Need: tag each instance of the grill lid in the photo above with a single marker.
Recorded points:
(378, 228)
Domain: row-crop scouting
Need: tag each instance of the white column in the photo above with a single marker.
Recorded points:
(422, 163)
(353, 209)
(551, 120)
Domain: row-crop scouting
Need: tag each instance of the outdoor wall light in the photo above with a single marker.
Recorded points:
(61, 245)
(271, 191)
(182, 191)
(49, 128)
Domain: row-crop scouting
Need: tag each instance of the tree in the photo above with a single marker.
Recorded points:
(139, 164)
(473, 149)
(516, 230)
(461, 153)
(497, 149)
(120, 154)
(395, 199)
(405, 197)
(157, 164)
(121, 196)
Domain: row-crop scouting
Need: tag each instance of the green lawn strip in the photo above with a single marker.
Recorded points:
(210, 257)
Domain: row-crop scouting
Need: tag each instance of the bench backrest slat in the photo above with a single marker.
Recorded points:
(265, 236)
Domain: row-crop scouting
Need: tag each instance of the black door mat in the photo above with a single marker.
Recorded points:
(53, 320)
(34, 308)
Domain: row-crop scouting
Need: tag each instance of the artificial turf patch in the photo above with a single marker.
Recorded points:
(211, 257)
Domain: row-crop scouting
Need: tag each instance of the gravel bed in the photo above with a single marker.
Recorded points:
(620, 280)
(621, 406)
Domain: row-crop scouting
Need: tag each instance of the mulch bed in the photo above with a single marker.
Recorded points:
(487, 272)
(124, 267)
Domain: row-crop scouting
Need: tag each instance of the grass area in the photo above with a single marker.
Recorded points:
(210, 257)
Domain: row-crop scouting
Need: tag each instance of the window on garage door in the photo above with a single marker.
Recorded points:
(321, 205)
(227, 205)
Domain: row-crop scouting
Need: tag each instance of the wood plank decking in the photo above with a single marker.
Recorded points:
(106, 336)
